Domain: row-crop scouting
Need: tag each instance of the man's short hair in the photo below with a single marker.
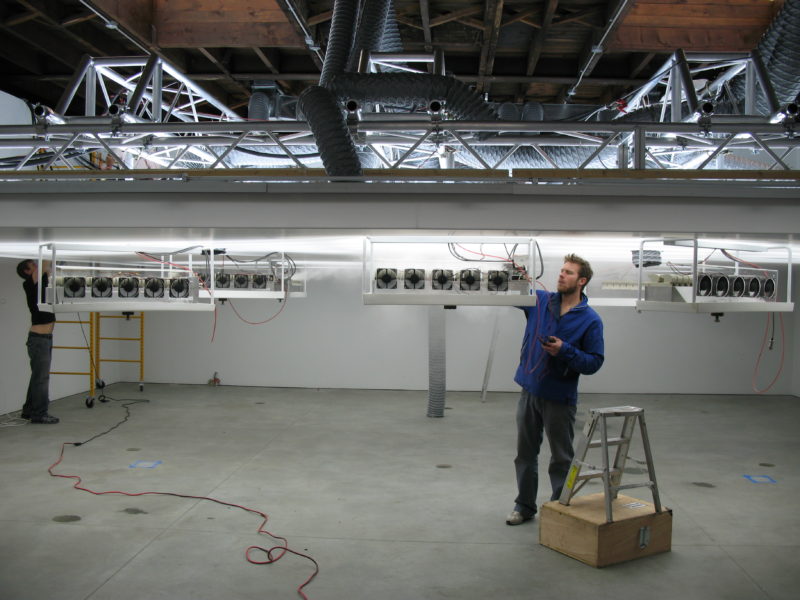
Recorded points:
(585, 269)
(23, 267)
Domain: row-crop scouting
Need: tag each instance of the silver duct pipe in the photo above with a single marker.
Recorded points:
(437, 358)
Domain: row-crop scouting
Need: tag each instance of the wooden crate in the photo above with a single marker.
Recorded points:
(580, 529)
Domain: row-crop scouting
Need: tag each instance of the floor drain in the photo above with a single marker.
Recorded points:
(66, 518)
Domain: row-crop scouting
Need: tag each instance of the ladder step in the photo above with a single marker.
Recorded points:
(628, 486)
(611, 442)
(594, 473)
(618, 411)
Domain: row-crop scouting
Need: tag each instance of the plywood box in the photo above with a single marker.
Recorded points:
(580, 530)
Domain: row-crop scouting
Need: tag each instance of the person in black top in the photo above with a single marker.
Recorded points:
(40, 344)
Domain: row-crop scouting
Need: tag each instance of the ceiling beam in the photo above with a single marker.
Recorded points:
(596, 43)
(456, 15)
(221, 65)
(491, 31)
(425, 18)
(301, 26)
(537, 44)
(285, 86)
(43, 13)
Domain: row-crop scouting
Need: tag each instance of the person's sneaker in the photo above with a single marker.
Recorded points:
(45, 420)
(25, 416)
(517, 518)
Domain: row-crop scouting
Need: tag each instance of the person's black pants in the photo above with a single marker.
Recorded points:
(40, 351)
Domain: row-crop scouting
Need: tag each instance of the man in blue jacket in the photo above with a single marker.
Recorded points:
(563, 339)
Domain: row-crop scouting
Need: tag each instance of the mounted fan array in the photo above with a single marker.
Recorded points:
(87, 278)
(732, 277)
(448, 271)
(75, 289)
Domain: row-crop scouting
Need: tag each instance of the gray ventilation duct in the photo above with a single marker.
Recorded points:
(319, 104)
(377, 31)
(437, 359)
(779, 48)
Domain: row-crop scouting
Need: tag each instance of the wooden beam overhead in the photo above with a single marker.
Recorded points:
(425, 18)
(456, 15)
(491, 31)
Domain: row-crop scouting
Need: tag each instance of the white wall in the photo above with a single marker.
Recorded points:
(14, 367)
(331, 339)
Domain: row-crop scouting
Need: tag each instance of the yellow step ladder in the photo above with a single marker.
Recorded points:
(581, 471)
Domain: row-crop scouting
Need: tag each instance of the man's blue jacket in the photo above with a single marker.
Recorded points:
(555, 378)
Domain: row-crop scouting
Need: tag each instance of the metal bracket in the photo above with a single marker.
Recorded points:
(644, 537)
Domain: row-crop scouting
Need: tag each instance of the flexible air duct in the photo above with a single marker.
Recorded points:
(369, 32)
(436, 361)
(779, 48)
(324, 116)
(258, 108)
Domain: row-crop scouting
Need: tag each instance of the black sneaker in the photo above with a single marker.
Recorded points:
(25, 416)
(45, 420)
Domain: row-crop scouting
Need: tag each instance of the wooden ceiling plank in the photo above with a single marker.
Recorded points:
(645, 39)
(41, 11)
(456, 15)
(425, 18)
(408, 21)
(474, 23)
(537, 41)
(20, 19)
(77, 19)
(525, 16)
(232, 35)
(577, 17)
(492, 19)
(264, 59)
(322, 17)
(220, 64)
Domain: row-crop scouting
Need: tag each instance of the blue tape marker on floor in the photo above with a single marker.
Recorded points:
(145, 464)
(760, 478)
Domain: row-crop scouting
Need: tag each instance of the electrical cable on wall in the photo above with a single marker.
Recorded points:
(770, 320)
(273, 554)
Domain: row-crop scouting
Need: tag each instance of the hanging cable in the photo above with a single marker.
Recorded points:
(761, 353)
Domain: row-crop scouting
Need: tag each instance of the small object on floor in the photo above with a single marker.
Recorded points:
(517, 518)
(45, 420)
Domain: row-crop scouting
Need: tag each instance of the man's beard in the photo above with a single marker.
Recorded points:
(568, 290)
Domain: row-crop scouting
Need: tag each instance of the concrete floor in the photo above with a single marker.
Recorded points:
(393, 505)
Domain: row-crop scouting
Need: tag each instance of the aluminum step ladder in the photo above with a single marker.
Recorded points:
(581, 471)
